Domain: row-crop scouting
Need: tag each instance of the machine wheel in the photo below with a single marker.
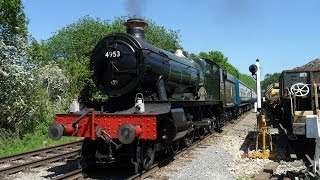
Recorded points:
(211, 127)
(200, 132)
(88, 150)
(145, 154)
(300, 89)
(188, 139)
(175, 145)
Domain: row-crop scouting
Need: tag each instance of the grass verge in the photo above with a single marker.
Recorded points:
(30, 142)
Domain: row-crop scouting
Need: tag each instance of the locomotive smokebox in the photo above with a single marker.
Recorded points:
(135, 27)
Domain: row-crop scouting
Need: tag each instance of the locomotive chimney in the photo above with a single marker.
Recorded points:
(135, 27)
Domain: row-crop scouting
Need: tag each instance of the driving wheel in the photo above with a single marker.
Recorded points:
(145, 154)
(200, 132)
(174, 148)
(188, 138)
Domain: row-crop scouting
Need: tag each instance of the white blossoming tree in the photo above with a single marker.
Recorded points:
(53, 80)
(29, 92)
(26, 90)
(16, 80)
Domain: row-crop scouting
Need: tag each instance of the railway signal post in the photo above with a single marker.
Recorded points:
(261, 120)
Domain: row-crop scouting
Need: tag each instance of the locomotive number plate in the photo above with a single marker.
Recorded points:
(112, 54)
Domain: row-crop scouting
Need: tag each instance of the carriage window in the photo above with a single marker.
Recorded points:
(214, 68)
(209, 69)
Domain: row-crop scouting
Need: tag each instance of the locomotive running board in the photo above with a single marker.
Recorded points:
(151, 107)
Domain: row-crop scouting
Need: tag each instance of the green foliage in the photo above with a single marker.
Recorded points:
(248, 80)
(26, 89)
(53, 80)
(37, 53)
(162, 38)
(29, 142)
(221, 60)
(28, 92)
(71, 46)
(13, 18)
(17, 93)
(16, 82)
(269, 79)
(32, 89)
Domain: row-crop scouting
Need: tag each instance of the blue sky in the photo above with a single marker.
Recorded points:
(283, 34)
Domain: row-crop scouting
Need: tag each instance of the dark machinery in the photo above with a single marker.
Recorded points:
(299, 98)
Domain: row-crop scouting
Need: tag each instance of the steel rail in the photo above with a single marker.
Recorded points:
(75, 174)
(197, 144)
(39, 151)
(146, 173)
(48, 155)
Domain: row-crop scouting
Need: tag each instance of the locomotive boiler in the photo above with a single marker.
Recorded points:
(125, 64)
(157, 101)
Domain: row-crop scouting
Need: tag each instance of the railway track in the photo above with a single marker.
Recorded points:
(293, 153)
(13, 164)
(200, 143)
(26, 161)
(117, 174)
(16, 163)
(166, 161)
(75, 174)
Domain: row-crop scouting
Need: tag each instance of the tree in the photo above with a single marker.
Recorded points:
(16, 79)
(269, 79)
(70, 48)
(221, 60)
(248, 80)
(15, 84)
(12, 19)
(24, 93)
(162, 38)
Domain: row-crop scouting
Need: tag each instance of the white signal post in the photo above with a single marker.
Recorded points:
(262, 127)
(258, 85)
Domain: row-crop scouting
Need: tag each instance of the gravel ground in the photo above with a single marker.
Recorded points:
(224, 157)
(205, 163)
(44, 172)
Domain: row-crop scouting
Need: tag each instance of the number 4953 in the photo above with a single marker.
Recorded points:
(112, 54)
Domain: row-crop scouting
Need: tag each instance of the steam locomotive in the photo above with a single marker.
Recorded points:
(157, 101)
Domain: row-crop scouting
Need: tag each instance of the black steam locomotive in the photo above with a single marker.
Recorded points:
(157, 101)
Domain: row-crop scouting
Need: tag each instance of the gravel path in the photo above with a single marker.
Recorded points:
(44, 172)
(221, 160)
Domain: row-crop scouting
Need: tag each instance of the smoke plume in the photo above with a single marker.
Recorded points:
(135, 8)
(235, 10)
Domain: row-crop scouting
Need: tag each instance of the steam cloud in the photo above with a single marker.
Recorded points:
(135, 8)
(235, 10)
